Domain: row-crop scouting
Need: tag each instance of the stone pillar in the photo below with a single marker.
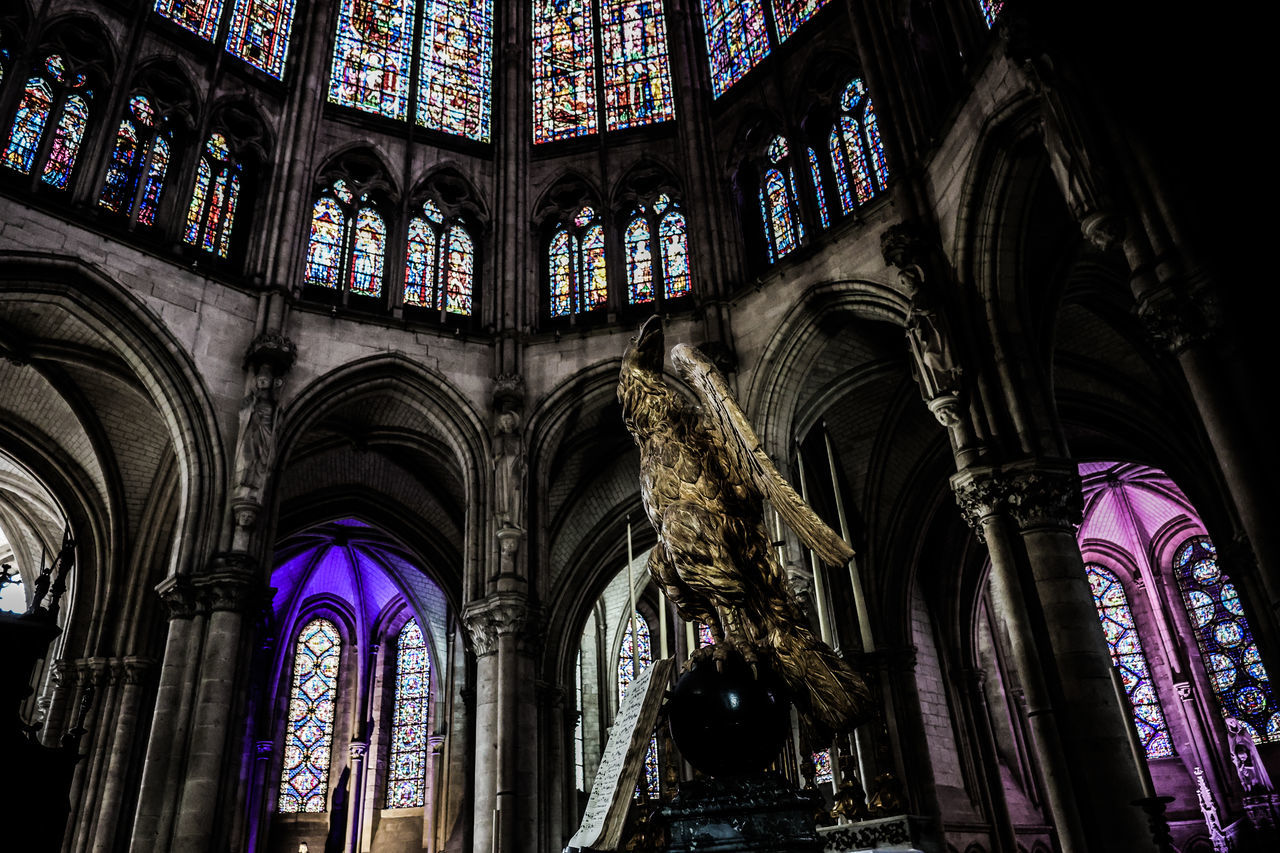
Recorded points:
(505, 799)
(976, 718)
(134, 672)
(355, 798)
(228, 594)
(168, 724)
(263, 752)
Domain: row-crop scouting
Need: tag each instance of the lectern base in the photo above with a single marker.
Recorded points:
(751, 814)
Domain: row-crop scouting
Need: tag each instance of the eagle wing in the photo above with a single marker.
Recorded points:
(745, 458)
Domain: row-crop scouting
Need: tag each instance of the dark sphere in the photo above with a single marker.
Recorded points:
(729, 721)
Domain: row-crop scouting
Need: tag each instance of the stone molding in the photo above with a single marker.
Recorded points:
(1035, 494)
(497, 615)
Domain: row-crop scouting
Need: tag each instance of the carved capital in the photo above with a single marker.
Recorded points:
(230, 585)
(262, 749)
(906, 244)
(358, 750)
(979, 496)
(1034, 494)
(1185, 689)
(500, 614)
(178, 595)
(273, 351)
(551, 696)
(137, 669)
(508, 391)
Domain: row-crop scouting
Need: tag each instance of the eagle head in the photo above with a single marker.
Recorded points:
(640, 380)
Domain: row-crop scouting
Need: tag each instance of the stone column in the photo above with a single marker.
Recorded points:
(134, 672)
(976, 719)
(504, 816)
(168, 724)
(355, 798)
(228, 594)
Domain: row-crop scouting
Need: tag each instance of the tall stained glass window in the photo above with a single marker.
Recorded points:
(736, 39)
(1126, 654)
(259, 33)
(407, 768)
(348, 244)
(668, 276)
(308, 740)
(139, 161)
(816, 174)
(440, 263)
(857, 152)
(198, 16)
(371, 55)
(212, 210)
(455, 73)
(53, 112)
(631, 82)
(633, 658)
(822, 770)
(991, 10)
(1227, 646)
(576, 266)
(782, 226)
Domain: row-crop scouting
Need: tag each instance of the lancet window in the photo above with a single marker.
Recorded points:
(49, 124)
(783, 229)
(407, 767)
(990, 10)
(257, 30)
(815, 174)
(1126, 654)
(1227, 647)
(657, 272)
(857, 152)
(374, 62)
(212, 210)
(629, 86)
(440, 262)
(346, 252)
(740, 33)
(308, 746)
(576, 266)
(139, 163)
(634, 657)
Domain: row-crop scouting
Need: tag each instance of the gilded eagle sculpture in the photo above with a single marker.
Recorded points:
(703, 481)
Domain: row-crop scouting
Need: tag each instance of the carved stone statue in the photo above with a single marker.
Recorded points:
(1244, 755)
(930, 341)
(703, 481)
(257, 445)
(509, 469)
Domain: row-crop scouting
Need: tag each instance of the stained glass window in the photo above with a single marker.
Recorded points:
(705, 637)
(822, 767)
(764, 220)
(637, 81)
(780, 224)
(198, 16)
(816, 174)
(454, 77)
(439, 263)
(368, 251)
(736, 39)
(139, 161)
(639, 260)
(371, 56)
(857, 151)
(576, 266)
(991, 10)
(212, 210)
(790, 14)
(1227, 646)
(460, 260)
(66, 142)
(407, 767)
(28, 126)
(633, 658)
(564, 69)
(1126, 654)
(327, 245)
(259, 33)
(674, 240)
(308, 743)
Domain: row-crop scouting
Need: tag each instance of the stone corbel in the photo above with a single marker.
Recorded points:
(178, 595)
(231, 585)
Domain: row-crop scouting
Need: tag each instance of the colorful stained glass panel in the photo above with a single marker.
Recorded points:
(780, 224)
(991, 10)
(1126, 654)
(705, 637)
(736, 39)
(28, 126)
(564, 70)
(198, 16)
(420, 264)
(633, 658)
(673, 239)
(790, 14)
(118, 188)
(309, 732)
(367, 253)
(816, 175)
(155, 181)
(593, 287)
(1235, 668)
(66, 142)
(637, 80)
(822, 771)
(371, 54)
(560, 267)
(324, 252)
(198, 194)
(260, 33)
(639, 261)
(407, 766)
(460, 264)
(456, 67)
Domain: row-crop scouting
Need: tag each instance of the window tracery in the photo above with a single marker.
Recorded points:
(857, 151)
(347, 248)
(308, 747)
(139, 163)
(779, 211)
(407, 767)
(668, 276)
(211, 213)
(632, 80)
(739, 34)
(257, 30)
(53, 96)
(1230, 654)
(439, 262)
(1127, 655)
(576, 266)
